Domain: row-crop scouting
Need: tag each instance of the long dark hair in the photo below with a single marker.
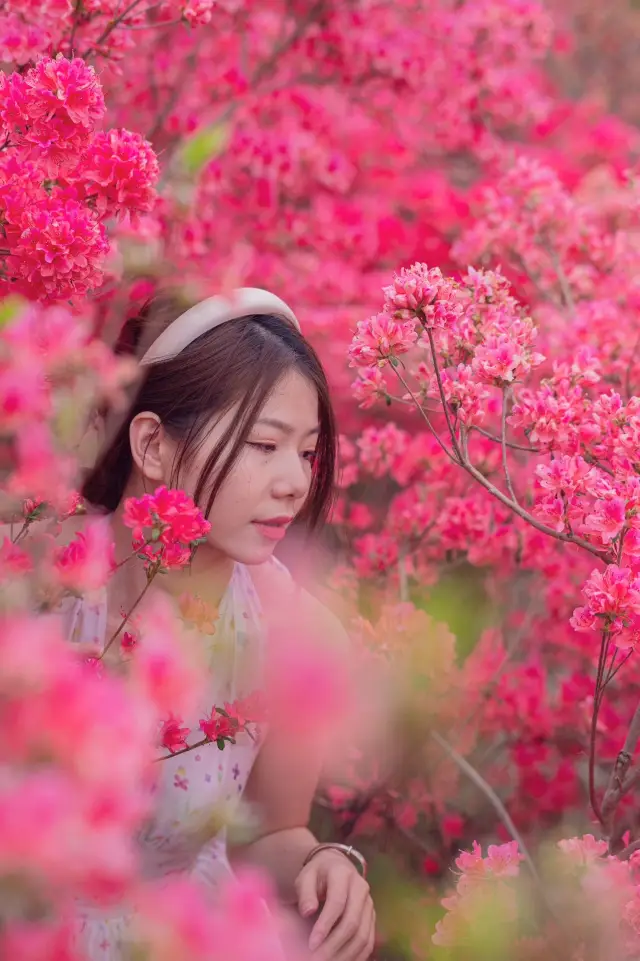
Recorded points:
(235, 365)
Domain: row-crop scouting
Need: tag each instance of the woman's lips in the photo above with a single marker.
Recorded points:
(273, 530)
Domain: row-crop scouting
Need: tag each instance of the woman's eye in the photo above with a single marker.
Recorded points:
(310, 455)
(265, 448)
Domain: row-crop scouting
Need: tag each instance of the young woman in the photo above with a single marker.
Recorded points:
(233, 407)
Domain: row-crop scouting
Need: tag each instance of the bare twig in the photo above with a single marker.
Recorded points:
(173, 98)
(74, 27)
(185, 750)
(509, 443)
(617, 786)
(601, 554)
(631, 781)
(597, 701)
(402, 575)
(497, 804)
(443, 399)
(463, 461)
(424, 416)
(111, 26)
(505, 462)
(289, 41)
(612, 673)
(567, 296)
(158, 25)
(127, 616)
(22, 532)
(628, 851)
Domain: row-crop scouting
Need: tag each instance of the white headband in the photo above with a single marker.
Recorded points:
(211, 313)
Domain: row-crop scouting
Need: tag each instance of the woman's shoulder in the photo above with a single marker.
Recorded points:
(283, 597)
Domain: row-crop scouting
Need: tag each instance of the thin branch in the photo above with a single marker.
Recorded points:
(74, 27)
(173, 98)
(494, 437)
(525, 515)
(158, 25)
(464, 462)
(562, 278)
(628, 851)
(411, 836)
(284, 45)
(443, 399)
(111, 26)
(590, 459)
(402, 575)
(184, 750)
(631, 780)
(597, 701)
(21, 533)
(614, 791)
(612, 673)
(423, 413)
(497, 804)
(505, 462)
(127, 616)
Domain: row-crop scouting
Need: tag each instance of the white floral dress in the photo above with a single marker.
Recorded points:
(194, 785)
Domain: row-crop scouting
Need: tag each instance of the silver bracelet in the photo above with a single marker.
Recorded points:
(348, 850)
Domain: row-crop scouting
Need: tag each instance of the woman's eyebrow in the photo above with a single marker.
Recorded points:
(280, 425)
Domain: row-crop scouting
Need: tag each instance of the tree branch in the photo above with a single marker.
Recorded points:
(619, 781)
(443, 399)
(497, 804)
(505, 463)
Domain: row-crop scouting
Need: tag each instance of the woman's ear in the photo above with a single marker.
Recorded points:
(146, 436)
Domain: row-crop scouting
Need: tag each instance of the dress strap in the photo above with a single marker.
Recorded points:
(84, 620)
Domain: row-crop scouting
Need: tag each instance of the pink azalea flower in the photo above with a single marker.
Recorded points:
(172, 735)
(86, 563)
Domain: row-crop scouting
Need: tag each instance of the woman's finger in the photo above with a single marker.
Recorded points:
(370, 944)
(360, 946)
(354, 917)
(333, 908)
(307, 891)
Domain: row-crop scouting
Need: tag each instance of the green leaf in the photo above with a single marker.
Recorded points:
(10, 308)
(204, 146)
(220, 743)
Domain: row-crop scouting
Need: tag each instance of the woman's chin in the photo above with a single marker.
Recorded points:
(247, 550)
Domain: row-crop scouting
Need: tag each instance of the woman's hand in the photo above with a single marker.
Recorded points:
(345, 929)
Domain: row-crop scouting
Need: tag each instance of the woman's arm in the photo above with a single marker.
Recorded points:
(282, 785)
(285, 776)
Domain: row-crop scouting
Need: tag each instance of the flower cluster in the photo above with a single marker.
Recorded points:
(599, 895)
(51, 373)
(480, 336)
(61, 177)
(222, 726)
(167, 527)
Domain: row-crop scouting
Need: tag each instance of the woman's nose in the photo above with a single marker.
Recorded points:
(293, 479)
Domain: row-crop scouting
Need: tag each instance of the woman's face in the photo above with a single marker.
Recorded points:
(270, 480)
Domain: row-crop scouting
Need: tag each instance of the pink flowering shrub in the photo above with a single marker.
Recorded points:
(61, 177)
(598, 895)
(81, 740)
(302, 150)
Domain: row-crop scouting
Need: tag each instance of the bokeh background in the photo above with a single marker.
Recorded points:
(315, 147)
